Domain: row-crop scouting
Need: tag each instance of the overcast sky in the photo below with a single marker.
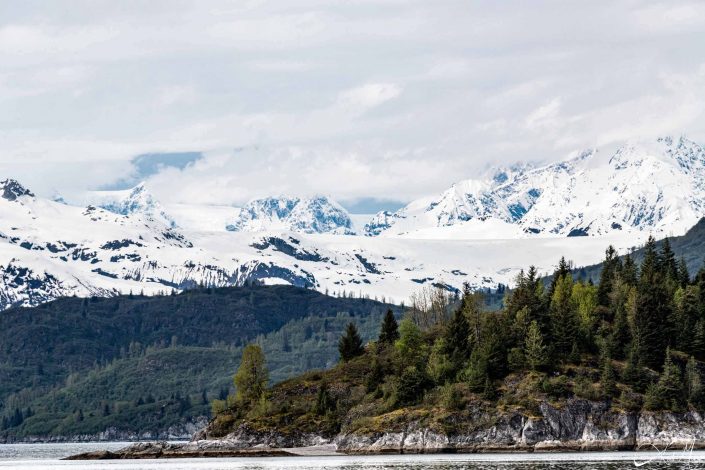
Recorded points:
(357, 99)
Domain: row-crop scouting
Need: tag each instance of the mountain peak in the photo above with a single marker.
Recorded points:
(654, 185)
(137, 200)
(12, 189)
(317, 214)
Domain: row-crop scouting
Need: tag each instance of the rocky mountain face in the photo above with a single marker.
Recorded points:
(304, 215)
(656, 187)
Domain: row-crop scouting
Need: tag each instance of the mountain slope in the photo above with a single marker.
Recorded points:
(305, 215)
(50, 249)
(656, 187)
(74, 353)
(690, 247)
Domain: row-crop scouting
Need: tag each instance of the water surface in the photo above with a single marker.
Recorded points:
(47, 456)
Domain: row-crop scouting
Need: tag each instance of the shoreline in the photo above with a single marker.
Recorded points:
(215, 449)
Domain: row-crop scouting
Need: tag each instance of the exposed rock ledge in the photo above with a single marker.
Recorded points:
(578, 425)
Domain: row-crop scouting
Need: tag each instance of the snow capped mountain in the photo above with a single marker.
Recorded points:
(478, 231)
(50, 249)
(137, 200)
(305, 215)
(656, 187)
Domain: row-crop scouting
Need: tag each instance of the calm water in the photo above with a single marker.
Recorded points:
(41, 456)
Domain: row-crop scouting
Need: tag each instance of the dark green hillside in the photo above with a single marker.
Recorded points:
(77, 365)
(39, 345)
(690, 247)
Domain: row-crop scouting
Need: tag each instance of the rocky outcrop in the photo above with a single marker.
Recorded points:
(576, 425)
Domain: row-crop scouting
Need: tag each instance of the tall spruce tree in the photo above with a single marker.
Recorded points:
(652, 309)
(683, 274)
(390, 329)
(610, 267)
(628, 272)
(562, 270)
(350, 344)
(564, 321)
(667, 261)
(457, 342)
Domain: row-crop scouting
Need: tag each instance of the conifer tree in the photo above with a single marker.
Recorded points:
(561, 271)
(610, 267)
(457, 344)
(683, 274)
(564, 323)
(608, 379)
(350, 344)
(534, 350)
(669, 392)
(652, 310)
(628, 272)
(667, 261)
(390, 329)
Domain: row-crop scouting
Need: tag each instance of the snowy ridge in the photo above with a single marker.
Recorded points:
(305, 215)
(50, 249)
(656, 187)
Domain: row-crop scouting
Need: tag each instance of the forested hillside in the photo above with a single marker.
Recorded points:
(634, 340)
(137, 363)
(690, 247)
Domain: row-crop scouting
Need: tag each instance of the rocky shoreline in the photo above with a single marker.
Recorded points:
(578, 425)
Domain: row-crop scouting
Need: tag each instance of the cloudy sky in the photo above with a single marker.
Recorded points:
(364, 100)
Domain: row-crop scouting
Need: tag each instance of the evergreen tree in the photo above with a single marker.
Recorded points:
(350, 344)
(564, 324)
(652, 310)
(477, 373)
(252, 375)
(667, 261)
(608, 379)
(610, 267)
(669, 392)
(527, 298)
(457, 343)
(683, 274)
(628, 272)
(390, 329)
(376, 375)
(534, 350)
(560, 272)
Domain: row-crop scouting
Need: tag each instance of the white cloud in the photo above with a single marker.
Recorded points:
(389, 99)
(368, 96)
